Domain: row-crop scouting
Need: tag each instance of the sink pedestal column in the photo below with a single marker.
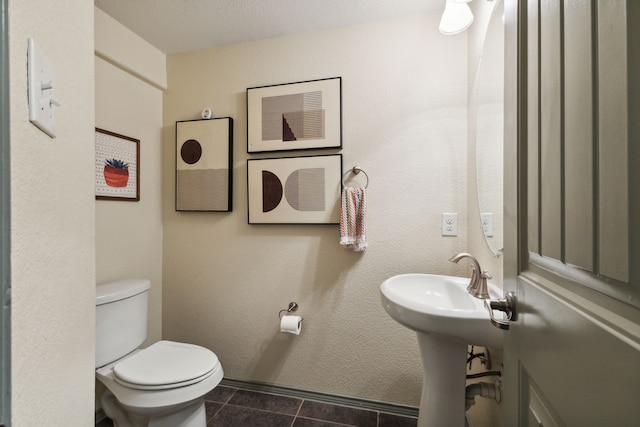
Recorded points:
(443, 390)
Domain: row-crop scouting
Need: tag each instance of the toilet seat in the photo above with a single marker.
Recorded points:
(165, 365)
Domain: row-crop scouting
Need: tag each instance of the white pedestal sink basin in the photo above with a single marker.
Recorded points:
(446, 319)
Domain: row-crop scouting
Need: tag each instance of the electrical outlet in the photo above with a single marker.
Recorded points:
(486, 220)
(449, 224)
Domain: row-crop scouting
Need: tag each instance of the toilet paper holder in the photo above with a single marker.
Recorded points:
(293, 306)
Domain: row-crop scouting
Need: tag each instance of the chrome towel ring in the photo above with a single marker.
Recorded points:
(355, 170)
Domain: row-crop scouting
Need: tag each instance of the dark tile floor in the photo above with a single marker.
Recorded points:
(231, 407)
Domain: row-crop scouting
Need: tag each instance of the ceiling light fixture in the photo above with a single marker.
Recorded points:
(456, 17)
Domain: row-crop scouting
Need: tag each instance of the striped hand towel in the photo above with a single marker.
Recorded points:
(353, 217)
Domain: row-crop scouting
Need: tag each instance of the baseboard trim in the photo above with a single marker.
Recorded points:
(354, 402)
(99, 416)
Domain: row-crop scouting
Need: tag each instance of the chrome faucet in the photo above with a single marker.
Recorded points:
(478, 283)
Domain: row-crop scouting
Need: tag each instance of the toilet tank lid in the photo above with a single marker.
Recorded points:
(120, 289)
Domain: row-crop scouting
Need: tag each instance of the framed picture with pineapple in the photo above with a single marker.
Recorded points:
(117, 167)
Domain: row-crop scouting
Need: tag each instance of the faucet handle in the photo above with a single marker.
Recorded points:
(486, 275)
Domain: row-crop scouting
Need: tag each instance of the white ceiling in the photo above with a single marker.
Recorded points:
(175, 26)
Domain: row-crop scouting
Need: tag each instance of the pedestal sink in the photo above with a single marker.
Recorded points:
(446, 319)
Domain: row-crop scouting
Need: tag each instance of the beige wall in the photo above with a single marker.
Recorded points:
(404, 109)
(126, 50)
(129, 234)
(481, 49)
(491, 162)
(52, 221)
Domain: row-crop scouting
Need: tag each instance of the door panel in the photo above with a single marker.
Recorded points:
(572, 354)
(580, 356)
(577, 140)
(578, 135)
(612, 151)
(5, 252)
(549, 52)
(540, 413)
(533, 132)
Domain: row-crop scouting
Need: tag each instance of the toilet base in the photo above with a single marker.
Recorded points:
(192, 415)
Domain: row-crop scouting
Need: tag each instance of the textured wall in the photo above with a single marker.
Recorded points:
(485, 49)
(52, 221)
(120, 46)
(129, 234)
(485, 158)
(404, 115)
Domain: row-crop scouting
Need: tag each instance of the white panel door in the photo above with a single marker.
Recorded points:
(572, 218)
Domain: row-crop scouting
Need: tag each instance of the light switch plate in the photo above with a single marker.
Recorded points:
(40, 86)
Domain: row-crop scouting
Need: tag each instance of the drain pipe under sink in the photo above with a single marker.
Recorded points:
(483, 389)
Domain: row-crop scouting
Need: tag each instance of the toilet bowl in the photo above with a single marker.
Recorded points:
(150, 386)
(162, 385)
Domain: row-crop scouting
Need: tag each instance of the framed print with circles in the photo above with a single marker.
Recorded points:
(204, 165)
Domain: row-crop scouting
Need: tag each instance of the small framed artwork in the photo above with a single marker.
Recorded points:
(295, 116)
(204, 165)
(117, 167)
(294, 190)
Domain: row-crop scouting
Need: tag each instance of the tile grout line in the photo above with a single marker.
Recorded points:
(333, 423)
(231, 395)
(222, 406)
(216, 413)
(228, 400)
(295, 417)
(351, 402)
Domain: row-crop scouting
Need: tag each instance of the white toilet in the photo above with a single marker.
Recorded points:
(162, 385)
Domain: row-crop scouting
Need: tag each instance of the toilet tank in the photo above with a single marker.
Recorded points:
(121, 318)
